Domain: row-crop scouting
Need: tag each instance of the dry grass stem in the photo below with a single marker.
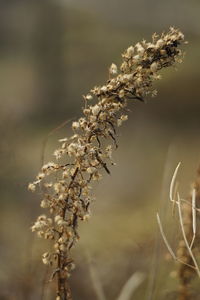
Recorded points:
(171, 190)
(164, 238)
(187, 247)
(194, 217)
(168, 245)
(185, 238)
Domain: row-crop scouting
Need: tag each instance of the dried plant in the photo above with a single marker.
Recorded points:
(188, 246)
(82, 157)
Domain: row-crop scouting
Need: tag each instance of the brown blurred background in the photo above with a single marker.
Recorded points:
(51, 53)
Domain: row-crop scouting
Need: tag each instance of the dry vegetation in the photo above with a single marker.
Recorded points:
(81, 159)
(188, 245)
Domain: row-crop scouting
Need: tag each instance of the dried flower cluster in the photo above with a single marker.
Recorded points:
(80, 159)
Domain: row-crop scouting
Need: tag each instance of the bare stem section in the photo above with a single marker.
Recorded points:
(81, 158)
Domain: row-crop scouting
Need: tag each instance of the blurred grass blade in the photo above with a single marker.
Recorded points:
(131, 285)
(97, 285)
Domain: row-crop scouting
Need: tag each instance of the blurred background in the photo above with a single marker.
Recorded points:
(51, 53)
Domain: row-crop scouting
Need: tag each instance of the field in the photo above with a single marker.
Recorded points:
(51, 55)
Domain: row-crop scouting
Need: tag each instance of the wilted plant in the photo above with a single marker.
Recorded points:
(188, 246)
(82, 157)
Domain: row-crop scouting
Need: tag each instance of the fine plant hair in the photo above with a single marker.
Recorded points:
(188, 245)
(87, 154)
